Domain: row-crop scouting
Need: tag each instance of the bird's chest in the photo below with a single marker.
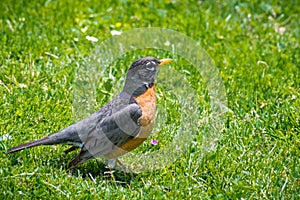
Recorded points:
(147, 102)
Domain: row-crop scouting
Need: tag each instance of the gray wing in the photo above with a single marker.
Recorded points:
(110, 132)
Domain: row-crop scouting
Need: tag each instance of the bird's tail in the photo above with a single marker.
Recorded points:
(66, 136)
(42, 141)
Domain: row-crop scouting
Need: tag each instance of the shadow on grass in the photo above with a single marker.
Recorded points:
(94, 170)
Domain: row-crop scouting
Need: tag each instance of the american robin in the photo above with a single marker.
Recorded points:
(119, 126)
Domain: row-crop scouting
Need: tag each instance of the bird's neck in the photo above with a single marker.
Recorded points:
(136, 90)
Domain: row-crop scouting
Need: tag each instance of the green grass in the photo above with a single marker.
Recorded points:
(255, 46)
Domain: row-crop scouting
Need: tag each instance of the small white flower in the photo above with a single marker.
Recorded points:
(167, 43)
(114, 32)
(22, 85)
(91, 38)
(5, 137)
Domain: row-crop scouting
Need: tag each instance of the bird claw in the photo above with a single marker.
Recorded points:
(111, 163)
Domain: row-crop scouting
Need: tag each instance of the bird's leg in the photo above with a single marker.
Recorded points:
(111, 163)
(119, 162)
(124, 167)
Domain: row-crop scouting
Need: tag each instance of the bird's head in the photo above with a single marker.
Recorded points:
(142, 72)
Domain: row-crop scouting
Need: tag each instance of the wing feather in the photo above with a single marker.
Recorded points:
(109, 133)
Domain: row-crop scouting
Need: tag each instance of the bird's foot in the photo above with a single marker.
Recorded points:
(111, 163)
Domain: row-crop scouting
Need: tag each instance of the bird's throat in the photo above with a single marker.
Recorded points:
(136, 91)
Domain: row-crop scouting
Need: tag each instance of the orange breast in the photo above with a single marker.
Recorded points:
(147, 102)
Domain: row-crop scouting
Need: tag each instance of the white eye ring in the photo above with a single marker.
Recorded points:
(150, 62)
(151, 69)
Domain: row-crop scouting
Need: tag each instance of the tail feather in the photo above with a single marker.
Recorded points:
(75, 162)
(82, 157)
(67, 136)
(38, 142)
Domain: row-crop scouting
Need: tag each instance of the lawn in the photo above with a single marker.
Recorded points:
(256, 48)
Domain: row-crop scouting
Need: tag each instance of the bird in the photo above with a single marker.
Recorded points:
(118, 127)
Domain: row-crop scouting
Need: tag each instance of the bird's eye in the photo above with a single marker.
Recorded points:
(150, 65)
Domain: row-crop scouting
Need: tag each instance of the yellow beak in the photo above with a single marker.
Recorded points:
(165, 61)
